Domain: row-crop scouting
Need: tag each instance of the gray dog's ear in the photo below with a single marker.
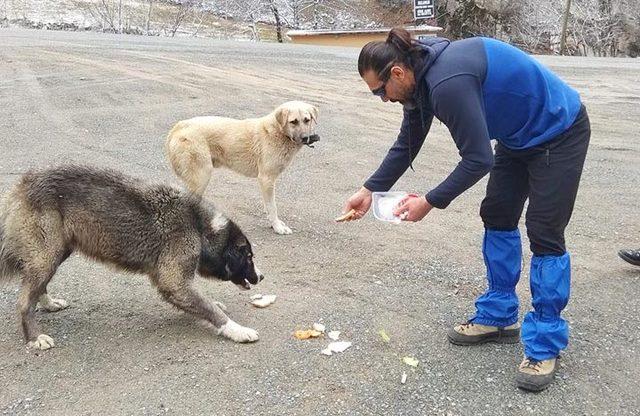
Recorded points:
(241, 241)
(314, 113)
(282, 115)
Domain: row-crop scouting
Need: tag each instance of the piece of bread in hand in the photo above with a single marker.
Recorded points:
(349, 216)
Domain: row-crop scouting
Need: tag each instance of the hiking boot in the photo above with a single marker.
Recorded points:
(475, 334)
(630, 256)
(536, 375)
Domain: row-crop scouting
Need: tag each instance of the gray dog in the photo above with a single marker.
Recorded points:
(156, 230)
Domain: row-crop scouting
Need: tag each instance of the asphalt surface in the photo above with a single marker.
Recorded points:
(110, 100)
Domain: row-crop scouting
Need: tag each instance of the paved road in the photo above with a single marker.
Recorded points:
(109, 101)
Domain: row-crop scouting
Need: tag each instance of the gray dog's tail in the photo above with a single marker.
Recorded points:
(9, 265)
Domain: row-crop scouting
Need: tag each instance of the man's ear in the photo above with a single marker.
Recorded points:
(282, 116)
(397, 72)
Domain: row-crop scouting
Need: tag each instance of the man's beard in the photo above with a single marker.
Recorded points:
(407, 100)
(409, 104)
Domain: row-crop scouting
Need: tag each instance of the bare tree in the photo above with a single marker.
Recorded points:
(599, 27)
(565, 21)
(148, 23)
(297, 9)
(332, 13)
(276, 16)
(464, 18)
(119, 16)
(251, 12)
(536, 26)
(5, 14)
(105, 14)
(109, 14)
(296, 12)
(184, 9)
(596, 27)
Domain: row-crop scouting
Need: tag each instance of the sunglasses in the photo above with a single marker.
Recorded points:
(381, 91)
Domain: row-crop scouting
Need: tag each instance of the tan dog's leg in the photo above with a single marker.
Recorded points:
(191, 162)
(267, 186)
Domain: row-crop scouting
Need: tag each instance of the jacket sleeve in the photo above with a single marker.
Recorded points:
(459, 105)
(415, 126)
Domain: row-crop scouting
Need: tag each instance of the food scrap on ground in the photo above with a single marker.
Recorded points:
(306, 334)
(410, 361)
(384, 336)
(262, 301)
(339, 346)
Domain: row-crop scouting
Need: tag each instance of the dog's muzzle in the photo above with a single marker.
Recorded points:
(246, 285)
(309, 140)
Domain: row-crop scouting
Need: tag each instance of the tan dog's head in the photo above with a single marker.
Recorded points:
(298, 121)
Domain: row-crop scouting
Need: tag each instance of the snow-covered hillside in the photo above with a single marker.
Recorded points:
(238, 19)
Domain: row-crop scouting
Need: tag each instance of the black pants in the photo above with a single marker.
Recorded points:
(548, 175)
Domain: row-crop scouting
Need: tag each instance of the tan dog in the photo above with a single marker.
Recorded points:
(257, 147)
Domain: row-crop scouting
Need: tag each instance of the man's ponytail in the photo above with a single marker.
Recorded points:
(399, 48)
(400, 39)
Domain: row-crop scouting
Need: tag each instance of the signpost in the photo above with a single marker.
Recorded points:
(423, 9)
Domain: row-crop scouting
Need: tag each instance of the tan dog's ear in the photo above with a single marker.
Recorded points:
(282, 115)
(314, 113)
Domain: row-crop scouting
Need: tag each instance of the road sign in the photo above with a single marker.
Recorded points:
(423, 9)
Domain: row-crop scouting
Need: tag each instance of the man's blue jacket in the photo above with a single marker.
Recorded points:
(481, 89)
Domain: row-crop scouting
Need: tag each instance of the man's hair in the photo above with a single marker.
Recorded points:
(379, 56)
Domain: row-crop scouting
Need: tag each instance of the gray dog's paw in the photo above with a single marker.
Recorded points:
(50, 304)
(238, 333)
(43, 342)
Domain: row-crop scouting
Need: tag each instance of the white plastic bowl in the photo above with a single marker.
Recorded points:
(384, 203)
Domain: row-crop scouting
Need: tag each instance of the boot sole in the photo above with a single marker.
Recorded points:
(628, 259)
(525, 383)
(507, 337)
(535, 388)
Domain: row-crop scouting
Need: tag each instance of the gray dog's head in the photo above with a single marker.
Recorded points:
(298, 121)
(226, 254)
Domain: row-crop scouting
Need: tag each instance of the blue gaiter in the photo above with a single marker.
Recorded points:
(544, 332)
(498, 306)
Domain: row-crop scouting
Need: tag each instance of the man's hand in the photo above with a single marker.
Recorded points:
(360, 202)
(413, 208)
